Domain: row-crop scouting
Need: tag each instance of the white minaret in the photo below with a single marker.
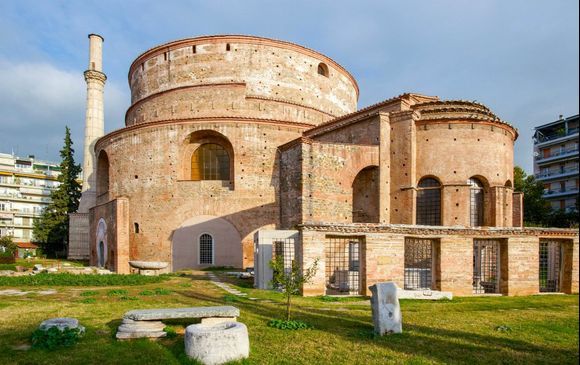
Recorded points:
(94, 121)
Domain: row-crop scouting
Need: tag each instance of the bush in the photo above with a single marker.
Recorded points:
(67, 279)
(89, 293)
(53, 338)
(117, 292)
(288, 325)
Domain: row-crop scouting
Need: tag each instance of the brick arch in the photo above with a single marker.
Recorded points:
(227, 242)
(195, 140)
(365, 196)
(102, 174)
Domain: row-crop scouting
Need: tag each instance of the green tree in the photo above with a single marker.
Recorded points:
(7, 246)
(51, 230)
(536, 208)
(290, 279)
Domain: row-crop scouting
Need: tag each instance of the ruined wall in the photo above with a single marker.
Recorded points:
(242, 76)
(291, 185)
(115, 214)
(384, 256)
(328, 172)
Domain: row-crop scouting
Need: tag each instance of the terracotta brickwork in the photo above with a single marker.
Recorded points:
(228, 135)
(115, 215)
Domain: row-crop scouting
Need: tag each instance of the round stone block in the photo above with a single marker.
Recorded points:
(61, 324)
(218, 343)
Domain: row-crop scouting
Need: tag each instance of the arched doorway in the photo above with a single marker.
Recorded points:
(365, 196)
(204, 241)
(101, 243)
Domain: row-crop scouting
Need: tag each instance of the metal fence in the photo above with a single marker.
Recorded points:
(486, 255)
(284, 248)
(418, 263)
(550, 264)
(343, 269)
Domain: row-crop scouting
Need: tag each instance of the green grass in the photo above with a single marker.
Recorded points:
(539, 329)
(66, 279)
(8, 267)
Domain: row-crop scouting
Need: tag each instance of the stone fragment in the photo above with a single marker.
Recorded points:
(61, 323)
(38, 267)
(218, 343)
(424, 294)
(140, 329)
(385, 307)
(175, 313)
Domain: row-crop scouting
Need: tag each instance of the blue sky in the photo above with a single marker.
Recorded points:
(520, 58)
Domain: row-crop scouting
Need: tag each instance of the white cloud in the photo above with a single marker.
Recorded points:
(37, 101)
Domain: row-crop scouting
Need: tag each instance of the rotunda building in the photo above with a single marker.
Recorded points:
(196, 165)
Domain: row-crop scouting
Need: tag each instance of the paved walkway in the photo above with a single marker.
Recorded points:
(214, 279)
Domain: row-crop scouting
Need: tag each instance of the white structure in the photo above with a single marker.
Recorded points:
(94, 129)
(386, 310)
(268, 244)
(217, 344)
(25, 187)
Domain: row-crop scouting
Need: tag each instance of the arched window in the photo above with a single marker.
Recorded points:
(205, 249)
(322, 69)
(429, 202)
(210, 162)
(476, 202)
(508, 184)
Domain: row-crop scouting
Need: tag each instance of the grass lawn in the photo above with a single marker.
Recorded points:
(485, 330)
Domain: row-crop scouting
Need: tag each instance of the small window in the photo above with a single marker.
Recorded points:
(205, 249)
(165, 56)
(428, 203)
(136, 227)
(228, 48)
(323, 69)
(193, 49)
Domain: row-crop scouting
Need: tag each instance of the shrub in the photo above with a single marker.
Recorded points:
(117, 292)
(67, 279)
(147, 293)
(126, 297)
(161, 291)
(53, 337)
(288, 325)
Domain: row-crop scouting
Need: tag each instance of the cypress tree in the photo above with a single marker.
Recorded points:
(51, 229)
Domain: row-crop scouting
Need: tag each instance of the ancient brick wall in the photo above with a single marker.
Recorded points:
(452, 266)
(115, 216)
(257, 77)
(291, 185)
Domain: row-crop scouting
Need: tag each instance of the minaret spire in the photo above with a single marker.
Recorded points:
(94, 120)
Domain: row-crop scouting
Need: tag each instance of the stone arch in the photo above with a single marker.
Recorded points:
(227, 243)
(202, 140)
(508, 184)
(102, 247)
(102, 174)
(428, 201)
(365, 196)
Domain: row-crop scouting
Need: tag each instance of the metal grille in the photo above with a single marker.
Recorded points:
(206, 249)
(476, 203)
(550, 263)
(418, 263)
(284, 248)
(486, 266)
(343, 269)
(429, 202)
(210, 162)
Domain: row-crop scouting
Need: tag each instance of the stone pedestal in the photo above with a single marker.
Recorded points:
(387, 316)
(140, 329)
(61, 323)
(218, 343)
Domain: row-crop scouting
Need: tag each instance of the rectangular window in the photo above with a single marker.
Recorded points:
(418, 263)
(550, 264)
(343, 269)
(486, 255)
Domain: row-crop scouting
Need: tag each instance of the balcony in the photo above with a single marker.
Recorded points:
(558, 193)
(542, 141)
(555, 175)
(561, 154)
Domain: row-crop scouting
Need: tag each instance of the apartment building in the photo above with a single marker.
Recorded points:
(25, 187)
(556, 161)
